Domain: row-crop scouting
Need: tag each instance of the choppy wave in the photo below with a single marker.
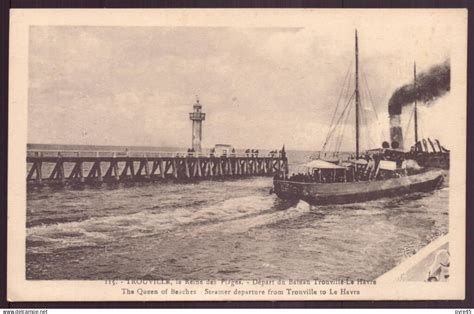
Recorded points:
(213, 229)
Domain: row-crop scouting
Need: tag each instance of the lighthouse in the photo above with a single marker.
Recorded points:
(197, 117)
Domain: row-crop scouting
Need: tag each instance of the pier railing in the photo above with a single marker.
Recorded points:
(51, 167)
(82, 153)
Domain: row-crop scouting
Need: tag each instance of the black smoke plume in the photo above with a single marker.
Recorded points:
(429, 85)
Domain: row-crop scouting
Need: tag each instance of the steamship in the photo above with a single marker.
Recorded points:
(376, 174)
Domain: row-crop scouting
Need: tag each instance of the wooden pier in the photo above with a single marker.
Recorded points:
(93, 168)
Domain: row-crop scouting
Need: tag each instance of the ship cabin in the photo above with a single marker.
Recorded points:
(320, 171)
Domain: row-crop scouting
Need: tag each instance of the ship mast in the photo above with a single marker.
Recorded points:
(357, 99)
(416, 111)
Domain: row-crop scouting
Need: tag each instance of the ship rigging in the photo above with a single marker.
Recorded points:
(359, 98)
(356, 179)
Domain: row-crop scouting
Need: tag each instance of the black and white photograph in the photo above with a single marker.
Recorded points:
(232, 154)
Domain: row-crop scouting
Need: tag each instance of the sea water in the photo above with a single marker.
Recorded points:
(231, 229)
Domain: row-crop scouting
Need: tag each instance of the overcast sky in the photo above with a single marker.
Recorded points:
(260, 87)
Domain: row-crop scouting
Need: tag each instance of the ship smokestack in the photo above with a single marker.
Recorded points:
(430, 85)
(396, 134)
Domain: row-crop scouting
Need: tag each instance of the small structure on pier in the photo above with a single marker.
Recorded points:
(197, 117)
(223, 150)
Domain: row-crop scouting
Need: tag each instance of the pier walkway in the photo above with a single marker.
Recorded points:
(86, 167)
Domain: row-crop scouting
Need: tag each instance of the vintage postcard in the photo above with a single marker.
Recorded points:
(224, 154)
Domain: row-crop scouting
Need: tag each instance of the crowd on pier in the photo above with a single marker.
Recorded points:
(251, 153)
(273, 153)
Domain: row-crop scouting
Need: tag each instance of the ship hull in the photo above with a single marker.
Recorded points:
(353, 192)
(431, 160)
